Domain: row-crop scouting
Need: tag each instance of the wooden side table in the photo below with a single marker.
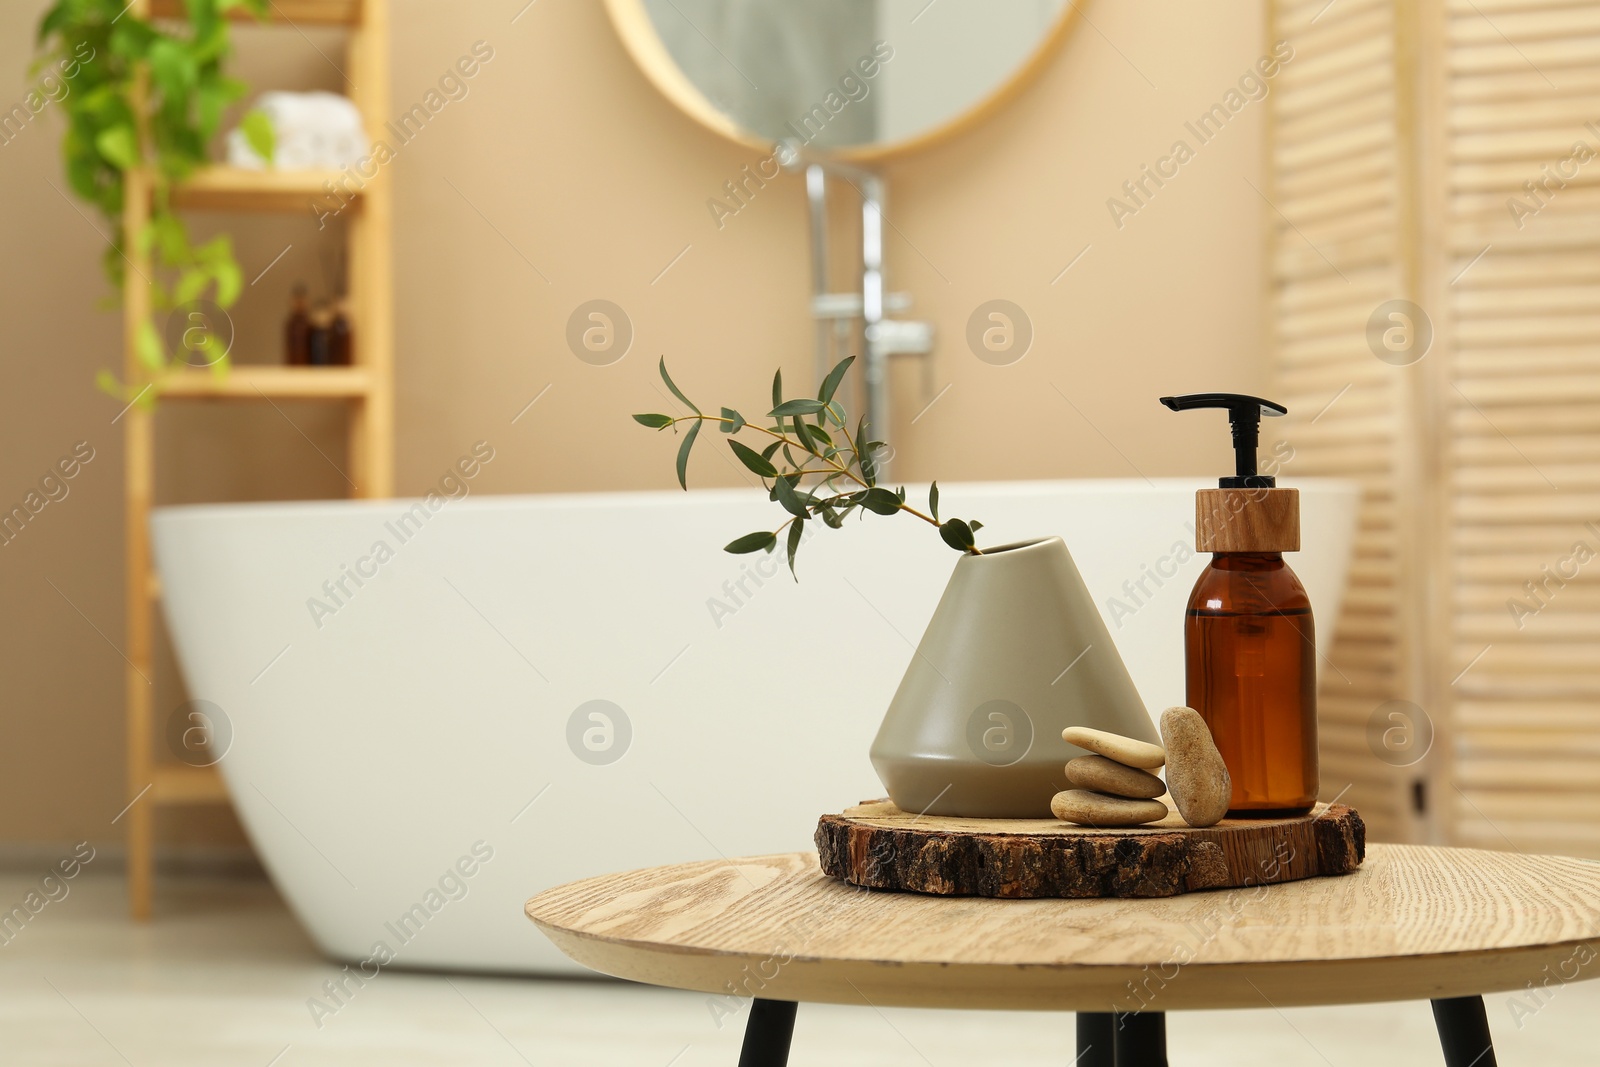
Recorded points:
(1414, 922)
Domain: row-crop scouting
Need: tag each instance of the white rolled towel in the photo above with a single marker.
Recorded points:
(313, 131)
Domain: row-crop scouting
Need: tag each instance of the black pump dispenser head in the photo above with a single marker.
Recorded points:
(1244, 416)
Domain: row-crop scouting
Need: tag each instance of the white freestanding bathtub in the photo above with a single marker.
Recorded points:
(415, 754)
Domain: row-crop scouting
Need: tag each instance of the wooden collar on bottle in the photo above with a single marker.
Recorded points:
(1247, 520)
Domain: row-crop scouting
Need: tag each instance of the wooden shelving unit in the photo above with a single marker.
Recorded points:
(367, 388)
(232, 189)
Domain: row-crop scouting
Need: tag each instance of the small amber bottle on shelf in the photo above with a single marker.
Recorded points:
(297, 330)
(1249, 639)
(339, 342)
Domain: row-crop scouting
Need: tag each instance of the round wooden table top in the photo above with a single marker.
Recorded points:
(1414, 922)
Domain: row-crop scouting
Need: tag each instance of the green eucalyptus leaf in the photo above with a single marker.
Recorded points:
(752, 459)
(956, 534)
(830, 384)
(869, 470)
(880, 501)
(735, 423)
(777, 387)
(796, 407)
(771, 450)
(752, 542)
(819, 435)
(933, 501)
(976, 525)
(655, 422)
(675, 390)
(794, 543)
(683, 453)
(783, 492)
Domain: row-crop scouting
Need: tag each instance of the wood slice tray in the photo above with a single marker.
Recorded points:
(878, 846)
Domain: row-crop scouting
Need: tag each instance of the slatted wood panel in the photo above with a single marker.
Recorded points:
(1522, 80)
(1401, 135)
(1335, 255)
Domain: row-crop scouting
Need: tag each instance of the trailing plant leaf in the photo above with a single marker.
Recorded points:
(259, 135)
(119, 146)
(812, 475)
(150, 96)
(147, 343)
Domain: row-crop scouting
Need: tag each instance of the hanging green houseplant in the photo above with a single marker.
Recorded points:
(148, 95)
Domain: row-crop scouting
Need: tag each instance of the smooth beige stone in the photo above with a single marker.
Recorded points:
(1196, 776)
(1125, 750)
(1108, 776)
(1098, 809)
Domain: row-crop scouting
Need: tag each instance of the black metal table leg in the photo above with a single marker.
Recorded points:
(1141, 1039)
(1464, 1032)
(1096, 1043)
(767, 1034)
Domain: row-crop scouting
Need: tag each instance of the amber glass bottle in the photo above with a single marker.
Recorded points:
(1249, 645)
(1252, 675)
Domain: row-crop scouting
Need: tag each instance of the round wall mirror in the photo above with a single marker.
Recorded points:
(852, 79)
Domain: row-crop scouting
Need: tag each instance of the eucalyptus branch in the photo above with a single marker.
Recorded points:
(822, 502)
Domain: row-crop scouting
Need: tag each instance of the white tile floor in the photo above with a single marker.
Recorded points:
(222, 978)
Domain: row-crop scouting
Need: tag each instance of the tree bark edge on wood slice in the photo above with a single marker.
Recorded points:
(877, 846)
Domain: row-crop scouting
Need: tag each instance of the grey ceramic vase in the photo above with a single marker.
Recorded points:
(1015, 653)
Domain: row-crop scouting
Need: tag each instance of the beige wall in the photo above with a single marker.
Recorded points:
(564, 158)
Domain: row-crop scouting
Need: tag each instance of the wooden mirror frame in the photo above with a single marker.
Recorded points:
(639, 38)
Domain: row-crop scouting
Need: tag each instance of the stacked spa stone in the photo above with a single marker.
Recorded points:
(1116, 787)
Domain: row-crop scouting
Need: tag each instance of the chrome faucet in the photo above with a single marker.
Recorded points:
(857, 321)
